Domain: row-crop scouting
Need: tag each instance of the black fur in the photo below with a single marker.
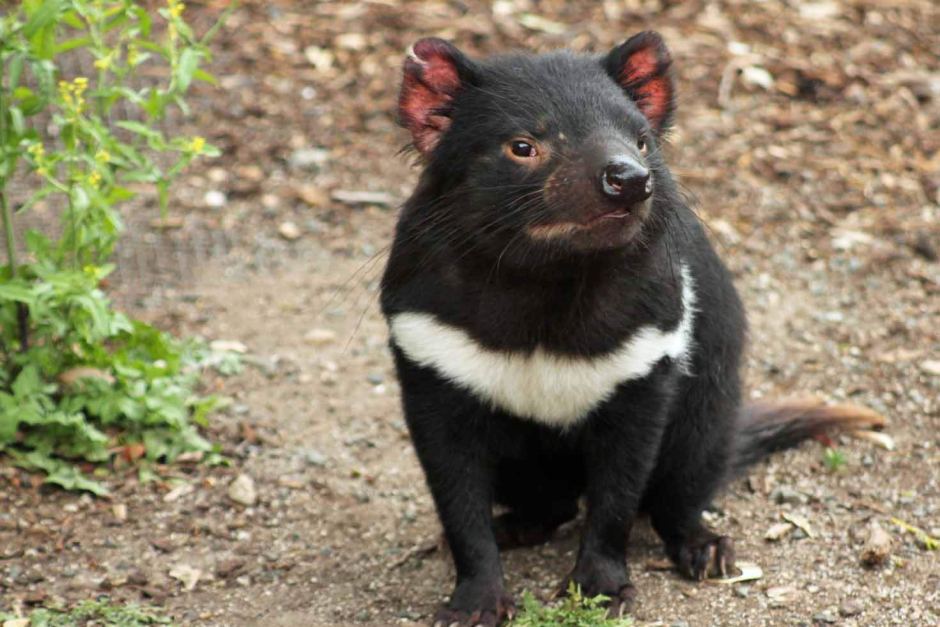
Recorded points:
(663, 444)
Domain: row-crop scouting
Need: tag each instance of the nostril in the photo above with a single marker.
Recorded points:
(615, 177)
(626, 180)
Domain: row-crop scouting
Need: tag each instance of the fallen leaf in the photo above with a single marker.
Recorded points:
(781, 595)
(778, 531)
(132, 452)
(883, 440)
(749, 571)
(539, 23)
(178, 492)
(187, 575)
(351, 197)
(228, 346)
(800, 522)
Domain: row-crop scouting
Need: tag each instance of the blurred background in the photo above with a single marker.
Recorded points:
(808, 135)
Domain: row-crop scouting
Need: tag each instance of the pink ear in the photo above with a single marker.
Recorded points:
(430, 82)
(641, 67)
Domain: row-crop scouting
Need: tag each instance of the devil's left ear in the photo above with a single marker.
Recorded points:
(641, 66)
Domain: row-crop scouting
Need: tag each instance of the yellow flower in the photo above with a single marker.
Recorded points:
(103, 63)
(133, 54)
(37, 150)
(94, 179)
(65, 92)
(176, 8)
(71, 94)
(102, 156)
(196, 144)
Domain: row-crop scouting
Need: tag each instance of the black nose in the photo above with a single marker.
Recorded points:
(626, 180)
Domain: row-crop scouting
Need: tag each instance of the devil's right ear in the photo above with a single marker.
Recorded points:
(433, 73)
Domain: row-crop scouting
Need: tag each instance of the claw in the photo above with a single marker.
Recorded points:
(706, 556)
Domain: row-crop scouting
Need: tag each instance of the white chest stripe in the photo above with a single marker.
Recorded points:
(554, 389)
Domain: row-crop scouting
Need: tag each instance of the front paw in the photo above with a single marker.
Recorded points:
(600, 576)
(475, 603)
(704, 554)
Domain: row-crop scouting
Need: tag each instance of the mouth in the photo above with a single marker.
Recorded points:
(618, 214)
(601, 222)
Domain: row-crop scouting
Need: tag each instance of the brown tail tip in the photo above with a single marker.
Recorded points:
(768, 426)
(813, 411)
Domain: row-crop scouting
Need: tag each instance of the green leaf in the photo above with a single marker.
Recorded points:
(189, 62)
(206, 77)
(79, 198)
(140, 129)
(119, 194)
(41, 15)
(15, 70)
(143, 20)
(16, 292)
(17, 124)
(68, 477)
(72, 44)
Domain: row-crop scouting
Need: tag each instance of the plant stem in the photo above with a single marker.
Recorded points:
(8, 230)
(22, 313)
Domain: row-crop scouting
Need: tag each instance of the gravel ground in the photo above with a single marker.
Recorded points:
(819, 185)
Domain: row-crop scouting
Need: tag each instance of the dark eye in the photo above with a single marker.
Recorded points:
(641, 146)
(524, 149)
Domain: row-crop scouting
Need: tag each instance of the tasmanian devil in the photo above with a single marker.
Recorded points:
(560, 324)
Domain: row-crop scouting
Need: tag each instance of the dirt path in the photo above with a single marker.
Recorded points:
(821, 191)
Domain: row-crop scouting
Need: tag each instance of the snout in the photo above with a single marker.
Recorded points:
(625, 181)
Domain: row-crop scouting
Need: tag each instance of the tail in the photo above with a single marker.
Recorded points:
(768, 426)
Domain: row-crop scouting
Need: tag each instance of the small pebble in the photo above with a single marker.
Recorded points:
(931, 366)
(825, 617)
(120, 511)
(242, 490)
(742, 591)
(315, 458)
(784, 494)
(289, 231)
(877, 548)
(320, 336)
(851, 607)
(215, 199)
(309, 158)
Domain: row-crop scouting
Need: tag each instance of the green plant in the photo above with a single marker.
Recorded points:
(100, 612)
(834, 459)
(574, 610)
(80, 381)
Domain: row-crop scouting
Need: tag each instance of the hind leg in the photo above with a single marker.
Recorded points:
(692, 466)
(541, 497)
